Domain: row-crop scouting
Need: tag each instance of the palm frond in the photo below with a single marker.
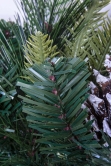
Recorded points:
(92, 45)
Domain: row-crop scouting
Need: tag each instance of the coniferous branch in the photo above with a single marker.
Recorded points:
(14, 131)
(92, 45)
(57, 17)
(90, 38)
(53, 105)
(44, 151)
(11, 54)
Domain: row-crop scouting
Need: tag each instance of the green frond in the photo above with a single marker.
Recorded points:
(11, 54)
(56, 17)
(51, 90)
(39, 48)
(14, 135)
(92, 45)
(53, 105)
(104, 156)
(13, 125)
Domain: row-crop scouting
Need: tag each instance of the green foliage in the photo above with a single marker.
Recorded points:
(39, 48)
(15, 147)
(53, 105)
(91, 45)
(103, 156)
(14, 134)
(11, 54)
(58, 17)
(51, 94)
(7, 34)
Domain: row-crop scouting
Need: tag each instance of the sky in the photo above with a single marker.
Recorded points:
(8, 9)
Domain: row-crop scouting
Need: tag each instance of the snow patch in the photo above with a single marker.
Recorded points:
(99, 78)
(110, 75)
(95, 72)
(92, 85)
(108, 96)
(83, 106)
(105, 144)
(106, 127)
(94, 125)
(107, 63)
(95, 101)
(107, 56)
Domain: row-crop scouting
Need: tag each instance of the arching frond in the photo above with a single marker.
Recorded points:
(39, 48)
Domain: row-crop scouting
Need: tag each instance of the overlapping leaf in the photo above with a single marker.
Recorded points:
(92, 45)
(56, 17)
(11, 53)
(53, 104)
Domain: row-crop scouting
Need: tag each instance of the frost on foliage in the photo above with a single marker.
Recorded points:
(108, 97)
(100, 79)
(107, 63)
(107, 56)
(93, 88)
(105, 144)
(106, 127)
(94, 125)
(83, 106)
(104, 82)
(98, 104)
(86, 106)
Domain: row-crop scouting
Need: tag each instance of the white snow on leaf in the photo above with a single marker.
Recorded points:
(83, 106)
(96, 155)
(108, 96)
(95, 137)
(106, 127)
(110, 75)
(105, 144)
(107, 56)
(107, 63)
(92, 86)
(95, 101)
(9, 130)
(95, 72)
(94, 124)
(86, 120)
(99, 78)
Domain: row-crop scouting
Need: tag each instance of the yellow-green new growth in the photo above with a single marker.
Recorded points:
(39, 48)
